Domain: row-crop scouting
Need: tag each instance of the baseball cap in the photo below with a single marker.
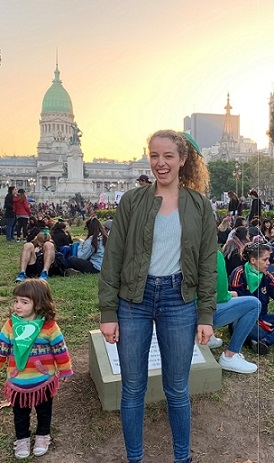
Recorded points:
(144, 178)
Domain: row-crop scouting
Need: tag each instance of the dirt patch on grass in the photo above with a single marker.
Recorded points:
(232, 425)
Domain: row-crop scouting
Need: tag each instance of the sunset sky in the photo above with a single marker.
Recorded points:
(134, 66)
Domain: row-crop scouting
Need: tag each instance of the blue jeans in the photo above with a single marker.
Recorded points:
(242, 312)
(175, 324)
(10, 228)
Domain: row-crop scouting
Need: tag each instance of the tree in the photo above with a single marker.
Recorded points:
(270, 132)
(221, 177)
(261, 175)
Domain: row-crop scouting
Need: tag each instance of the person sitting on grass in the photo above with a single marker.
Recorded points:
(90, 252)
(32, 229)
(242, 312)
(239, 222)
(223, 230)
(232, 249)
(253, 278)
(37, 258)
(62, 239)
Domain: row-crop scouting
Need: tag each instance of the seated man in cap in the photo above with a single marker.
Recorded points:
(143, 180)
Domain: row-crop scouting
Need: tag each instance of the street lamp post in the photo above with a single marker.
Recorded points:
(32, 183)
(236, 174)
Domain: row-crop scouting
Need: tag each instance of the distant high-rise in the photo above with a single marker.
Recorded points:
(208, 129)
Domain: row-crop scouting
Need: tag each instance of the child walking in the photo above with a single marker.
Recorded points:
(37, 356)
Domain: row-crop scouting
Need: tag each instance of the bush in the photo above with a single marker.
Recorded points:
(103, 213)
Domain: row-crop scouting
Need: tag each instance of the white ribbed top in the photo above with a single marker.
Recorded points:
(166, 248)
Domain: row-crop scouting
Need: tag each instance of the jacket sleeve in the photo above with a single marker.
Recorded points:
(270, 284)
(110, 276)
(84, 250)
(27, 208)
(237, 283)
(207, 268)
(5, 343)
(15, 200)
(60, 352)
(8, 202)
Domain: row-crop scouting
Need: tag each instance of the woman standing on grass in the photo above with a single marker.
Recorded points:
(9, 213)
(23, 212)
(160, 257)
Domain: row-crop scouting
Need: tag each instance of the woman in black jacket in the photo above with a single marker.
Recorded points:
(233, 204)
(10, 213)
(60, 235)
(256, 206)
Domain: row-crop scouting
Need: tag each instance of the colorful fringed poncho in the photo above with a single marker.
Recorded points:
(48, 359)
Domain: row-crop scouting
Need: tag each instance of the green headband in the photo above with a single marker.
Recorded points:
(192, 142)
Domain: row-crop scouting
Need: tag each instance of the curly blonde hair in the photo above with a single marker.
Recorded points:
(194, 174)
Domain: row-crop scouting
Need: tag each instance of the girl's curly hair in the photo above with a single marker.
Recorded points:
(194, 174)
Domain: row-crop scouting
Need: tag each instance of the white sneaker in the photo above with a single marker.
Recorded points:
(22, 448)
(237, 363)
(214, 342)
(41, 445)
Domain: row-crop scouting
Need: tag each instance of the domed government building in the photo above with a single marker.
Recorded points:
(59, 172)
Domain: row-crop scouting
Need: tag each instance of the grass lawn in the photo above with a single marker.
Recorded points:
(75, 296)
(77, 303)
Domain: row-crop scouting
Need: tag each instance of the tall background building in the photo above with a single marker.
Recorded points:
(207, 129)
(58, 172)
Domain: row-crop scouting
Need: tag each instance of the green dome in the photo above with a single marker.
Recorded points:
(57, 99)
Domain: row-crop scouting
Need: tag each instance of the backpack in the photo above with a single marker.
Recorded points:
(59, 266)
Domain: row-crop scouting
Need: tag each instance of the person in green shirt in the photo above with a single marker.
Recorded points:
(242, 312)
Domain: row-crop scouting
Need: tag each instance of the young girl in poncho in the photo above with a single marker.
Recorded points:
(33, 345)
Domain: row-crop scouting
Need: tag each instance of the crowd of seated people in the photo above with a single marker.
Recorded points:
(249, 257)
(51, 250)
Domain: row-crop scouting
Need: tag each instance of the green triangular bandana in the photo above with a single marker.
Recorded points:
(25, 332)
(253, 277)
(192, 142)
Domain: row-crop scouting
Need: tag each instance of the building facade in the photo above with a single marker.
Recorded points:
(58, 172)
(207, 129)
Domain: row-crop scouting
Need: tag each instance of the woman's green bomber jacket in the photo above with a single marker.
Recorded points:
(128, 251)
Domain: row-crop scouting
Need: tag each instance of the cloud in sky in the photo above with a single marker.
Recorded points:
(132, 67)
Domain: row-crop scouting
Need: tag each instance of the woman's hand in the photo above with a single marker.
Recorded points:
(234, 293)
(204, 332)
(110, 331)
